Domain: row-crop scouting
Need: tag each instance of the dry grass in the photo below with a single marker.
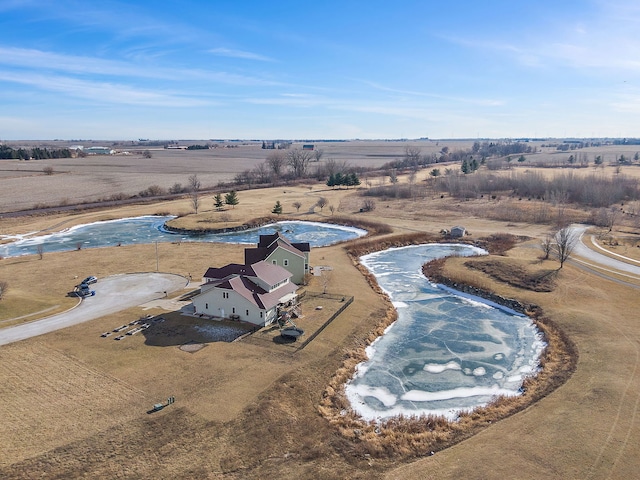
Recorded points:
(249, 410)
(517, 275)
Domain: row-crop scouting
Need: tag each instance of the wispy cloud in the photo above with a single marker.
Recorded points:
(487, 102)
(79, 65)
(603, 37)
(104, 92)
(228, 52)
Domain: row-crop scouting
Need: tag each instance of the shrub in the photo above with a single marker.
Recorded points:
(368, 205)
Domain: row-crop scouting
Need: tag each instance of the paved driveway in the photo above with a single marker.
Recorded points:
(113, 294)
(593, 258)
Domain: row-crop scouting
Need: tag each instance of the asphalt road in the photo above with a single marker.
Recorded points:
(113, 294)
(591, 257)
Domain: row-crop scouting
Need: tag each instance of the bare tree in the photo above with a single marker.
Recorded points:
(40, 250)
(368, 205)
(547, 246)
(412, 156)
(332, 166)
(332, 209)
(321, 203)
(607, 217)
(194, 190)
(297, 206)
(3, 288)
(565, 242)
(317, 154)
(276, 161)
(48, 170)
(261, 173)
(299, 160)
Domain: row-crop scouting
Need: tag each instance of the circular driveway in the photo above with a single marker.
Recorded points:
(113, 294)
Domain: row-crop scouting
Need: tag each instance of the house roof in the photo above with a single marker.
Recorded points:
(255, 294)
(269, 243)
(267, 272)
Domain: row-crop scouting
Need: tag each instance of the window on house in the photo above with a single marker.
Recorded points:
(233, 310)
(285, 262)
(206, 306)
(247, 312)
(275, 262)
(225, 295)
(260, 314)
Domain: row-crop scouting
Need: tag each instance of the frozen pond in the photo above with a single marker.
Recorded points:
(446, 353)
(149, 229)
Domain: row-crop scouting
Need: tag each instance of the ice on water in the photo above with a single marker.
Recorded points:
(149, 229)
(446, 353)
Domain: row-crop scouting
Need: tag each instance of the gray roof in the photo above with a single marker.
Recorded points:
(269, 243)
(242, 284)
(267, 272)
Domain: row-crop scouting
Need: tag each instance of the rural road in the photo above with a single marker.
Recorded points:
(113, 294)
(595, 259)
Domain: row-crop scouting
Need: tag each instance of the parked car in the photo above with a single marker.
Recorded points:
(90, 280)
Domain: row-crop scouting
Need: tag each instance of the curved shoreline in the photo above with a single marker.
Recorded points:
(410, 437)
(370, 227)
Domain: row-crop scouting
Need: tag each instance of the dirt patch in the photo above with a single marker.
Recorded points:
(192, 347)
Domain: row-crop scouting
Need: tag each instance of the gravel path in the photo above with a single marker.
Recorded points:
(113, 294)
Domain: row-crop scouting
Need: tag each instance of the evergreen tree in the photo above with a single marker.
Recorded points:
(331, 182)
(277, 209)
(339, 179)
(218, 202)
(354, 181)
(231, 198)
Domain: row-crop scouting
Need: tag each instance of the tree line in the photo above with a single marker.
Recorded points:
(35, 153)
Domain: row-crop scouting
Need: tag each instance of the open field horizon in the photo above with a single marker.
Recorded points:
(25, 184)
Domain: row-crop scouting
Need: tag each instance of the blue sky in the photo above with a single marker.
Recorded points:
(352, 69)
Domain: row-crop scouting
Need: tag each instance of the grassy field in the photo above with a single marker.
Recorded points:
(75, 403)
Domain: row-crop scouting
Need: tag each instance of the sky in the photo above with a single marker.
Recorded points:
(372, 69)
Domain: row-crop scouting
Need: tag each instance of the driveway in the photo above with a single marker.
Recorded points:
(113, 294)
(594, 259)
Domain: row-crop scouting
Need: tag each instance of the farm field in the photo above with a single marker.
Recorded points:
(249, 409)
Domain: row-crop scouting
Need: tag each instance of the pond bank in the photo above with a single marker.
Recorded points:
(406, 437)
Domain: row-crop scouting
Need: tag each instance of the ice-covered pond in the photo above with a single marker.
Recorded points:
(447, 352)
(149, 229)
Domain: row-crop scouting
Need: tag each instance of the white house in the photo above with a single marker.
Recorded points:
(250, 293)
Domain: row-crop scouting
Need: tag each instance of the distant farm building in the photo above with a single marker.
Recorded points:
(458, 232)
(308, 146)
(99, 151)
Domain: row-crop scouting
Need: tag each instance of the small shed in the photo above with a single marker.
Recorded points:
(458, 231)
(308, 146)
